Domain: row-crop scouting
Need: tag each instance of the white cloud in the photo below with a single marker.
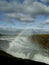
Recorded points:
(10, 7)
(20, 16)
(25, 11)
(44, 23)
(45, 1)
(47, 21)
(36, 8)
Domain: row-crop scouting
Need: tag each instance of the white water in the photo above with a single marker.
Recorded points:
(22, 46)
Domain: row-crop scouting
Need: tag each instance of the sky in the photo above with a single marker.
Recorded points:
(24, 13)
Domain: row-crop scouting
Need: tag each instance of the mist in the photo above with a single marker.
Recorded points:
(4, 45)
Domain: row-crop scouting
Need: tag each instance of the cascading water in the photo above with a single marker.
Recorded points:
(26, 47)
(20, 44)
(23, 44)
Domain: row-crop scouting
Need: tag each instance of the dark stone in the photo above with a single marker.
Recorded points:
(8, 59)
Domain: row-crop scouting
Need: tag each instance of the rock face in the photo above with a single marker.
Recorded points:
(8, 59)
(42, 39)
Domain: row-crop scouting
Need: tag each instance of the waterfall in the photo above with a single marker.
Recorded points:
(23, 44)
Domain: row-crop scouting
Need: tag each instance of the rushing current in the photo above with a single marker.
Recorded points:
(23, 46)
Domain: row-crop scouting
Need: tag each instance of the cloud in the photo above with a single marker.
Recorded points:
(47, 21)
(44, 23)
(26, 11)
(36, 8)
(9, 7)
(20, 16)
(44, 1)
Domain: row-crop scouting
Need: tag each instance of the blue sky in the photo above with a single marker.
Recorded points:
(24, 12)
